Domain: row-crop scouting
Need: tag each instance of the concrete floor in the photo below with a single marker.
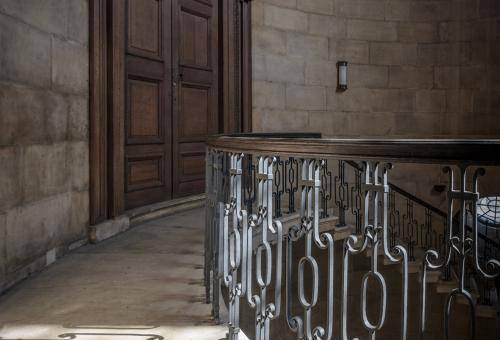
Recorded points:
(143, 284)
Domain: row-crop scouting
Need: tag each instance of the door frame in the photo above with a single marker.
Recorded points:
(107, 100)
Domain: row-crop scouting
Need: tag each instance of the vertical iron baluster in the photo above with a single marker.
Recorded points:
(249, 183)
(291, 182)
(356, 201)
(341, 193)
(310, 185)
(279, 190)
(325, 190)
(263, 222)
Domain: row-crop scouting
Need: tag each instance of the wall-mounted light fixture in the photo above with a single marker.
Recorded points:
(342, 75)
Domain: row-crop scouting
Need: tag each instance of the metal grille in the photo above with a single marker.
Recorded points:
(247, 248)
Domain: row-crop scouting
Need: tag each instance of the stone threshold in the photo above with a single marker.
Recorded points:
(131, 218)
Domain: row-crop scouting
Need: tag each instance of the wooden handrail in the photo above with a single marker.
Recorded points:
(431, 151)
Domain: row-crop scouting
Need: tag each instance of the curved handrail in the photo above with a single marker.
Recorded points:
(434, 151)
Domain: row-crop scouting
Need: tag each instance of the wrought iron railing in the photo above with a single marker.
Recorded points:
(268, 197)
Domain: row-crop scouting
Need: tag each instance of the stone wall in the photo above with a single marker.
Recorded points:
(416, 68)
(43, 132)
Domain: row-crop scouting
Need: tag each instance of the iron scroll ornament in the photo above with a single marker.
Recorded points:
(375, 238)
(461, 243)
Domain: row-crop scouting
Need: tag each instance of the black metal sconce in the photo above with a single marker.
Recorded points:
(341, 76)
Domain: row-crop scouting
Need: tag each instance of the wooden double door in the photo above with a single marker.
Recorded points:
(165, 74)
(170, 92)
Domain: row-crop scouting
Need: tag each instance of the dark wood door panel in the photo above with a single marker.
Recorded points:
(144, 119)
(195, 39)
(146, 178)
(145, 67)
(145, 28)
(195, 50)
(144, 171)
(194, 112)
(148, 104)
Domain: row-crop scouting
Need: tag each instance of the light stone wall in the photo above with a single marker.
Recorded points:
(416, 69)
(44, 166)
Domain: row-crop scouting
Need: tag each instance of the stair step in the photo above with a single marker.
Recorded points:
(488, 312)
(432, 276)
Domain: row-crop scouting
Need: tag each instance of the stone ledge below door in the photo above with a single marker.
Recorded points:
(131, 218)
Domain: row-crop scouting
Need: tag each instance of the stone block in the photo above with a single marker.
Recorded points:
(486, 102)
(372, 30)
(447, 54)
(22, 117)
(34, 228)
(488, 125)
(388, 100)
(393, 54)
(353, 100)
(321, 73)
(357, 52)
(447, 77)
(44, 171)
(458, 124)
(482, 52)
(397, 10)
(369, 76)
(431, 101)
(360, 9)
(56, 117)
(366, 125)
(460, 31)
(47, 15)
(316, 6)
(108, 228)
(489, 9)
(409, 77)
(420, 32)
(474, 77)
(257, 13)
(416, 125)
(433, 11)
(282, 3)
(25, 53)
(79, 219)
(285, 19)
(285, 120)
(459, 100)
(77, 156)
(307, 46)
(3, 262)
(323, 122)
(286, 70)
(268, 95)
(78, 19)
(258, 67)
(310, 98)
(31, 116)
(70, 67)
(267, 40)
(78, 118)
(326, 25)
(10, 179)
